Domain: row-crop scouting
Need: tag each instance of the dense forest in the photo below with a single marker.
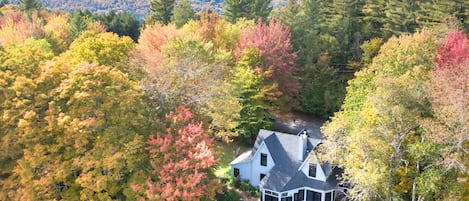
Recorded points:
(139, 8)
(106, 107)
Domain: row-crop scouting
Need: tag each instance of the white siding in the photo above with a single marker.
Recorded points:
(244, 170)
(312, 159)
(256, 167)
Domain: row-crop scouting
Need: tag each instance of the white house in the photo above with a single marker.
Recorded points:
(285, 168)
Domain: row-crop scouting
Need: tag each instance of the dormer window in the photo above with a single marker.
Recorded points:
(263, 159)
(312, 170)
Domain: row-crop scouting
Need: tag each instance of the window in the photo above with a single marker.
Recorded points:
(236, 172)
(312, 170)
(261, 176)
(300, 196)
(263, 159)
(270, 198)
(329, 196)
(313, 196)
(287, 199)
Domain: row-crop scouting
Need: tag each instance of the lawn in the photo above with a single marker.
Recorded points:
(227, 153)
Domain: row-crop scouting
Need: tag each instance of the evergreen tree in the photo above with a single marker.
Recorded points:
(400, 17)
(260, 9)
(78, 23)
(3, 3)
(123, 24)
(235, 9)
(183, 13)
(161, 11)
(433, 13)
(28, 6)
(373, 18)
(255, 9)
(290, 13)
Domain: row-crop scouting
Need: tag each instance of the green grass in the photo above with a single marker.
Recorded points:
(227, 154)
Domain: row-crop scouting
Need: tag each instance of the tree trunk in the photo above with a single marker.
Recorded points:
(414, 183)
(390, 179)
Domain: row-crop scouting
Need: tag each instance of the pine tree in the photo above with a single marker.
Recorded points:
(400, 17)
(28, 6)
(235, 9)
(3, 3)
(261, 9)
(161, 11)
(183, 13)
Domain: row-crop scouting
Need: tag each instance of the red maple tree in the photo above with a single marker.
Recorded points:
(181, 158)
(273, 42)
(453, 51)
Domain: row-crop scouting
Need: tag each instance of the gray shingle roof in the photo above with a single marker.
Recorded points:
(285, 174)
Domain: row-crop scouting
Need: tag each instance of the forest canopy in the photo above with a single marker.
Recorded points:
(105, 106)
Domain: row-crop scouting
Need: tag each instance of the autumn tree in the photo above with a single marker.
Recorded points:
(19, 99)
(16, 28)
(58, 33)
(273, 42)
(104, 48)
(448, 88)
(181, 155)
(181, 69)
(380, 119)
(82, 151)
(253, 96)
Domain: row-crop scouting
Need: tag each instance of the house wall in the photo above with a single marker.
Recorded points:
(319, 172)
(256, 167)
(244, 170)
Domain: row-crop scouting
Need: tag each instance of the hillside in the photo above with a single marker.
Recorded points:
(139, 7)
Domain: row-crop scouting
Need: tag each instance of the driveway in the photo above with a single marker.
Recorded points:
(294, 122)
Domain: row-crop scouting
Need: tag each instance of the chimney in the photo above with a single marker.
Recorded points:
(302, 145)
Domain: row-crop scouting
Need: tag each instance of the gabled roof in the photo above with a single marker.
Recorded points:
(285, 175)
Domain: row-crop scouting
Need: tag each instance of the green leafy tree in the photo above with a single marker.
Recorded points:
(253, 96)
(183, 13)
(161, 11)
